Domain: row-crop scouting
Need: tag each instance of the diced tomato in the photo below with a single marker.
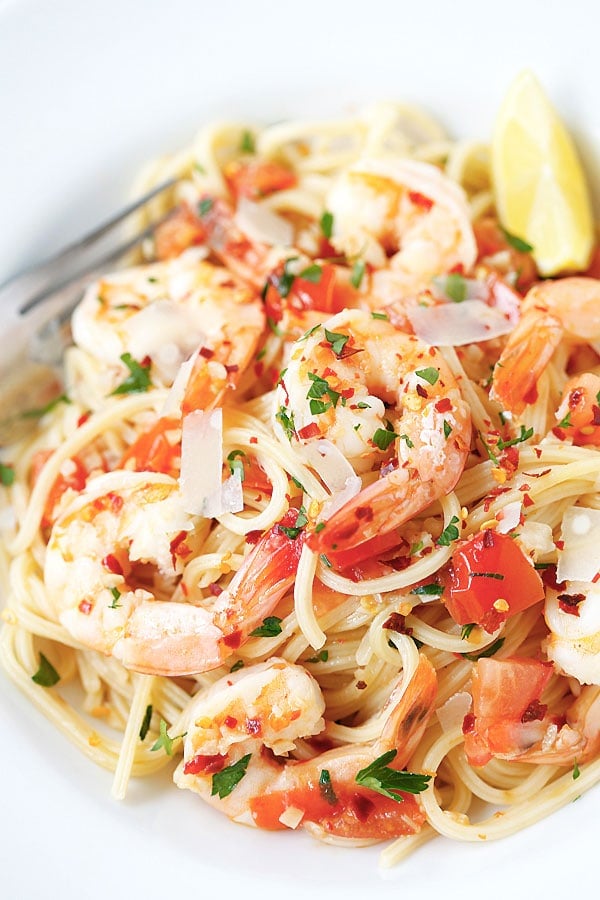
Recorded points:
(491, 240)
(330, 294)
(181, 230)
(258, 179)
(507, 714)
(155, 450)
(75, 479)
(487, 572)
(255, 476)
(354, 813)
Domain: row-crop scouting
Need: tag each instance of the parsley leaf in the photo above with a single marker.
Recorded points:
(566, 422)
(407, 441)
(327, 224)
(322, 656)
(46, 675)
(145, 727)
(429, 374)
(383, 437)
(247, 144)
(447, 429)
(7, 475)
(286, 421)
(358, 273)
(576, 772)
(449, 534)
(115, 594)
(237, 666)
(524, 435)
(466, 631)
(516, 242)
(312, 273)
(42, 410)
(337, 341)
(429, 590)
(491, 455)
(381, 778)
(205, 206)
(270, 627)
(164, 740)
(137, 381)
(487, 652)
(319, 388)
(294, 531)
(326, 788)
(284, 282)
(223, 782)
(378, 315)
(456, 287)
(236, 466)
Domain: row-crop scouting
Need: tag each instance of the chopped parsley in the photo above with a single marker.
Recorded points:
(486, 653)
(247, 144)
(284, 282)
(447, 429)
(286, 421)
(516, 242)
(325, 560)
(46, 675)
(449, 534)
(429, 374)
(495, 575)
(298, 484)
(165, 742)
(416, 548)
(138, 379)
(407, 440)
(378, 315)
(358, 273)
(270, 627)
(326, 224)
(337, 341)
(390, 782)
(322, 656)
(237, 666)
(524, 435)
(223, 782)
(455, 287)
(576, 772)
(383, 437)
(205, 206)
(7, 474)
(429, 590)
(236, 465)
(319, 527)
(145, 726)
(466, 630)
(492, 456)
(294, 531)
(312, 273)
(274, 327)
(326, 788)
(42, 410)
(566, 422)
(320, 388)
(115, 595)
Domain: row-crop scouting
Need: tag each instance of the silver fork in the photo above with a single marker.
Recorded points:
(35, 308)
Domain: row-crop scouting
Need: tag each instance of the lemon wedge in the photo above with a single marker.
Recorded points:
(540, 188)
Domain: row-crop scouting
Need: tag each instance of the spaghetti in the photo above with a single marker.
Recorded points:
(168, 551)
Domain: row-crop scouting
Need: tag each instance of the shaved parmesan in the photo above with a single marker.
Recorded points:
(455, 324)
(232, 494)
(329, 463)
(201, 462)
(175, 396)
(509, 517)
(291, 817)
(165, 331)
(579, 560)
(262, 225)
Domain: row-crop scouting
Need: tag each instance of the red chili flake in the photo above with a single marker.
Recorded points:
(206, 352)
(259, 368)
(419, 199)
(560, 545)
(113, 565)
(596, 578)
(468, 725)
(232, 368)
(83, 419)
(396, 622)
(233, 640)
(230, 722)
(110, 501)
(595, 415)
(184, 589)
(85, 607)
(569, 603)
(492, 496)
(253, 537)
(538, 452)
(488, 538)
(421, 391)
(531, 395)
(364, 513)
(549, 579)
(559, 433)
(253, 440)
(328, 372)
(254, 727)
(509, 460)
(458, 269)
(204, 765)
(179, 547)
(524, 487)
(443, 405)
(348, 393)
(361, 685)
(527, 501)
(310, 430)
(215, 589)
(535, 712)
(361, 806)
(575, 397)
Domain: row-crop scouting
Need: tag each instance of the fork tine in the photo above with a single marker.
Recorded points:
(44, 270)
(93, 269)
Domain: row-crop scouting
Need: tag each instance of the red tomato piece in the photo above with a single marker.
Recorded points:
(155, 450)
(258, 179)
(75, 480)
(486, 570)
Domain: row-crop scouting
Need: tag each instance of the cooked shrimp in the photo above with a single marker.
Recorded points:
(273, 705)
(510, 722)
(406, 219)
(566, 309)
(364, 385)
(112, 566)
(573, 617)
(163, 312)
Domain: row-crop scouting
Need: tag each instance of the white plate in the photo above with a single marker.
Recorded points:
(86, 96)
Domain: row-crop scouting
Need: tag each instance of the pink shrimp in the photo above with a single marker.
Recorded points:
(241, 721)
(120, 548)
